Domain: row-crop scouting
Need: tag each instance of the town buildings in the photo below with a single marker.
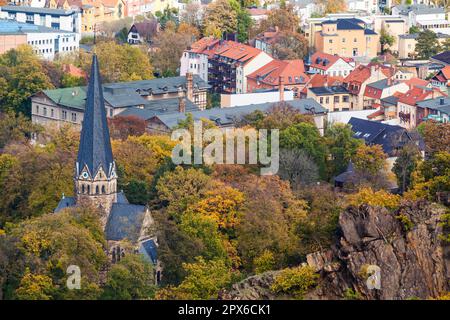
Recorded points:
(407, 44)
(441, 80)
(46, 42)
(331, 65)
(143, 32)
(424, 17)
(334, 98)
(347, 38)
(59, 106)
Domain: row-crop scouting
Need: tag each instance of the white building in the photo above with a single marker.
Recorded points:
(331, 65)
(369, 6)
(46, 42)
(243, 99)
(59, 19)
(424, 17)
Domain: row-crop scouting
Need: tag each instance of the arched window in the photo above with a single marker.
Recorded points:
(103, 189)
(89, 189)
(96, 189)
(82, 188)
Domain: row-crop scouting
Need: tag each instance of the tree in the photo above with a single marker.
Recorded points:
(436, 136)
(369, 159)
(289, 46)
(386, 39)
(405, 164)
(16, 128)
(295, 281)
(192, 14)
(446, 45)
(119, 62)
(414, 29)
(220, 15)
(427, 44)
(167, 15)
(333, 6)
(121, 127)
(131, 278)
(297, 167)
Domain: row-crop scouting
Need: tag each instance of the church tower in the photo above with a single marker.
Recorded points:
(95, 174)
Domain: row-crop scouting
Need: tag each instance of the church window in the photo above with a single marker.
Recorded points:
(96, 190)
(88, 189)
(103, 189)
(82, 188)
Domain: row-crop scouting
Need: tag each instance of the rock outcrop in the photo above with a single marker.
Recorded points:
(400, 253)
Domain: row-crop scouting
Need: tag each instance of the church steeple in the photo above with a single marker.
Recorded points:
(95, 174)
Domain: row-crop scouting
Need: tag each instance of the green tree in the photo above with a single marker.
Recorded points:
(16, 128)
(386, 39)
(427, 44)
(132, 278)
(414, 29)
(222, 16)
(370, 159)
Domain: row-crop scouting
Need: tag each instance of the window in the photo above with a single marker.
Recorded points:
(330, 41)
(336, 99)
(37, 109)
(96, 190)
(321, 100)
(344, 98)
(64, 115)
(103, 189)
(52, 112)
(343, 40)
(327, 100)
(74, 117)
(45, 111)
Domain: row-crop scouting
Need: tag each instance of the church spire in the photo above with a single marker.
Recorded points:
(95, 152)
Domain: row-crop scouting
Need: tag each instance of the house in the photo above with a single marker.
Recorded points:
(437, 109)
(358, 79)
(266, 39)
(369, 7)
(227, 117)
(390, 137)
(257, 14)
(59, 19)
(383, 88)
(424, 17)
(95, 180)
(347, 38)
(292, 73)
(334, 98)
(143, 32)
(441, 80)
(224, 63)
(305, 8)
(66, 105)
(332, 65)
(46, 42)
(408, 112)
(407, 44)
(257, 97)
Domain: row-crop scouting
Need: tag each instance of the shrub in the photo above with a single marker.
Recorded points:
(379, 198)
(295, 281)
(265, 262)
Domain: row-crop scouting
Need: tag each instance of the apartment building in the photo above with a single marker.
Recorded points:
(334, 98)
(347, 38)
(424, 16)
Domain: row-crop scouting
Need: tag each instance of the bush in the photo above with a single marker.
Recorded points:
(295, 281)
(265, 262)
(379, 198)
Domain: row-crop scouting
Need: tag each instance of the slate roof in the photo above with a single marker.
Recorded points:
(159, 107)
(392, 100)
(443, 56)
(13, 27)
(121, 198)
(125, 221)
(440, 104)
(95, 144)
(227, 116)
(149, 249)
(124, 94)
(59, 12)
(373, 132)
(347, 175)
(346, 23)
(65, 202)
(382, 84)
(325, 91)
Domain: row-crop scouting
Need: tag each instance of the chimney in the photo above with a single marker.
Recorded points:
(281, 88)
(181, 105)
(189, 86)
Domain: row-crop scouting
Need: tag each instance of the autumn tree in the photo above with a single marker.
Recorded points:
(16, 128)
(119, 62)
(405, 165)
(427, 44)
(333, 6)
(290, 45)
(369, 158)
(386, 39)
(121, 127)
(297, 167)
(436, 136)
(220, 17)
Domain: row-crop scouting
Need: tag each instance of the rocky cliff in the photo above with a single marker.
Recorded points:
(400, 253)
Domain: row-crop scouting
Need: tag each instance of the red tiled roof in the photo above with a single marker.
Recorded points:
(236, 51)
(257, 11)
(446, 72)
(373, 93)
(359, 74)
(292, 72)
(318, 58)
(204, 45)
(74, 71)
(416, 94)
(377, 113)
(415, 82)
(320, 80)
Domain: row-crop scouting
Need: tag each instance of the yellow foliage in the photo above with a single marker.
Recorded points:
(265, 262)
(161, 146)
(295, 281)
(34, 287)
(379, 198)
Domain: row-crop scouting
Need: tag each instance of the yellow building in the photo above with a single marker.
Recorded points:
(93, 11)
(347, 38)
(407, 44)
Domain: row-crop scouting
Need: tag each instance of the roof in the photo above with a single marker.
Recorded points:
(347, 24)
(65, 202)
(369, 32)
(159, 107)
(391, 100)
(125, 222)
(323, 61)
(74, 71)
(414, 82)
(382, 84)
(439, 104)
(257, 11)
(292, 71)
(418, 9)
(359, 74)
(13, 27)
(95, 145)
(416, 94)
(445, 72)
(145, 29)
(373, 132)
(443, 57)
(320, 80)
(121, 198)
(58, 12)
(236, 51)
(124, 94)
(325, 91)
(149, 249)
(346, 175)
(227, 116)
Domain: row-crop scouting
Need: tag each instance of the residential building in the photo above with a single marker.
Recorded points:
(59, 106)
(291, 72)
(408, 112)
(377, 90)
(305, 8)
(143, 32)
(424, 17)
(224, 63)
(369, 6)
(46, 42)
(395, 27)
(331, 65)
(228, 117)
(95, 181)
(347, 38)
(140, 7)
(437, 109)
(358, 79)
(58, 19)
(257, 14)
(391, 138)
(441, 80)
(260, 96)
(335, 98)
(266, 39)
(407, 44)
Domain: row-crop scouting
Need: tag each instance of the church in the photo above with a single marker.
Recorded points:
(95, 183)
